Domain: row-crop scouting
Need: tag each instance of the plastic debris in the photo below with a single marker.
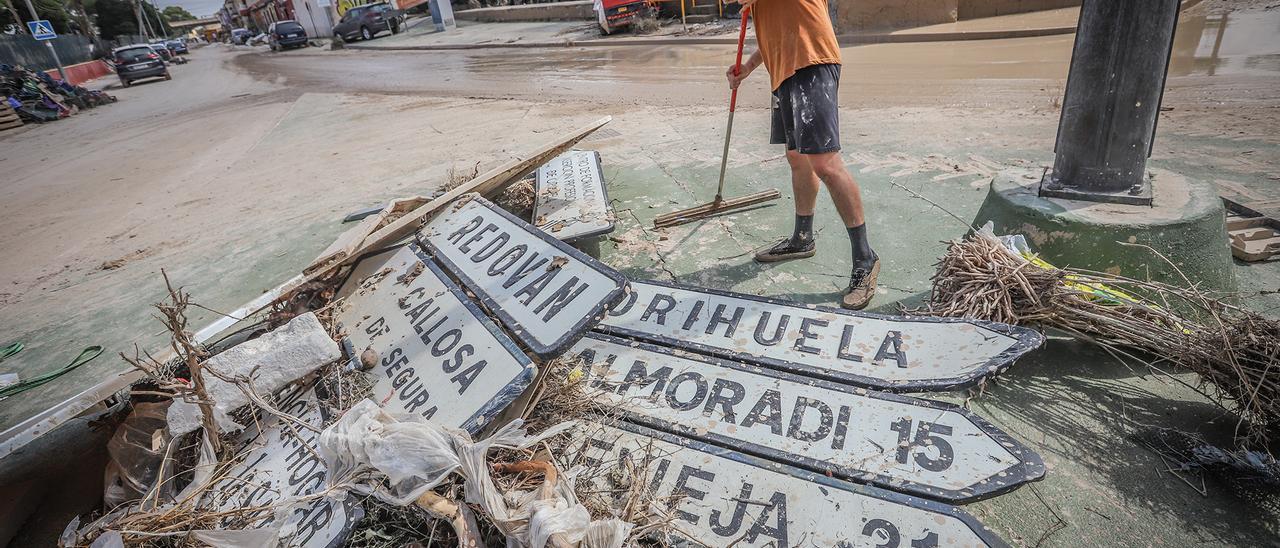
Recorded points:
(413, 455)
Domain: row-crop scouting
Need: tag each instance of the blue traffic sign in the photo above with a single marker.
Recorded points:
(41, 29)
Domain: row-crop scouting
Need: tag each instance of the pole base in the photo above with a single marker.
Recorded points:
(1186, 225)
(1138, 195)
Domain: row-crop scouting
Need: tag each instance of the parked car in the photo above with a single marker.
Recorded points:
(365, 22)
(137, 62)
(162, 50)
(240, 36)
(177, 46)
(286, 34)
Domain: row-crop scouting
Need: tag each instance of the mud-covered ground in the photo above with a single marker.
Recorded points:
(233, 175)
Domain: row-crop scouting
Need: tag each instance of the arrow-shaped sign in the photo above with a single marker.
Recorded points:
(544, 291)
(915, 446)
(891, 353)
(723, 497)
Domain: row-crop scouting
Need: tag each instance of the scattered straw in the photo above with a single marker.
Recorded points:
(518, 198)
(1166, 327)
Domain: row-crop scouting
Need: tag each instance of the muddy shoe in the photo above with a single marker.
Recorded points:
(862, 287)
(787, 250)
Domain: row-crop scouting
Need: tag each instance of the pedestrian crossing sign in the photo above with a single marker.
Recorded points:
(41, 29)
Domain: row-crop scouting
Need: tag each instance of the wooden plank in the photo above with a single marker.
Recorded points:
(346, 244)
(11, 125)
(1235, 223)
(1255, 233)
(486, 183)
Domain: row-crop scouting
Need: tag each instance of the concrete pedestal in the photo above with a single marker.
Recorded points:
(1186, 224)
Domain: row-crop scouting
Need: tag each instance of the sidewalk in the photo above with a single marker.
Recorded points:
(478, 35)
(555, 34)
(546, 34)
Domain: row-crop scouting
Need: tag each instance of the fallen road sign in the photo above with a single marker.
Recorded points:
(439, 356)
(544, 291)
(281, 464)
(570, 201)
(725, 497)
(920, 447)
(891, 353)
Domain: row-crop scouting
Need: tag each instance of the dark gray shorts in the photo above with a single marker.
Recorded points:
(806, 110)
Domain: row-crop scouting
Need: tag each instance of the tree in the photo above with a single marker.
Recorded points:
(115, 18)
(52, 10)
(176, 13)
(153, 15)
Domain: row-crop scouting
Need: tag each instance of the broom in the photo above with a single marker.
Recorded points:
(720, 205)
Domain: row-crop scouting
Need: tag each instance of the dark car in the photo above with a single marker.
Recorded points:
(240, 36)
(177, 46)
(286, 34)
(162, 50)
(137, 62)
(365, 22)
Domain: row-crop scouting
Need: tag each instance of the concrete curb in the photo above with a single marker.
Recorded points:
(845, 39)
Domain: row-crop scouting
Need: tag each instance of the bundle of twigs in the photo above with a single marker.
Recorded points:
(1170, 328)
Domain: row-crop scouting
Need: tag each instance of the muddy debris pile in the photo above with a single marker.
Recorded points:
(37, 98)
(479, 381)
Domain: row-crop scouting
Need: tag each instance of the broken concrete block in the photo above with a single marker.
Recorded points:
(269, 362)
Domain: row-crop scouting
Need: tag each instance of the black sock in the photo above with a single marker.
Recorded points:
(863, 256)
(802, 236)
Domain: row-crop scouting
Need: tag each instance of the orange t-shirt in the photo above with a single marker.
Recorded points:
(794, 34)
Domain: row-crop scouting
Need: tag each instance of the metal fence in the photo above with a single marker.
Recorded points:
(29, 52)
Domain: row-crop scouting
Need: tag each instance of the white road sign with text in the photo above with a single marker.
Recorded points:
(893, 353)
(915, 446)
(546, 292)
(571, 202)
(439, 356)
(725, 497)
(279, 466)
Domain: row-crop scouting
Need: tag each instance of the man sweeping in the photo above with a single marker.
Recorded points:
(797, 46)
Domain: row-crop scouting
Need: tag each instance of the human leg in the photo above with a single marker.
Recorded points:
(804, 186)
(816, 134)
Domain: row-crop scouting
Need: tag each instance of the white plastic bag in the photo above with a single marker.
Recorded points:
(413, 455)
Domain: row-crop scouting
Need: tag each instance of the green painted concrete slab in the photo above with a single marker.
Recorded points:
(1072, 403)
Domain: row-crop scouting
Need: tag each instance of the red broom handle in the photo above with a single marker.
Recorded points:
(737, 64)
